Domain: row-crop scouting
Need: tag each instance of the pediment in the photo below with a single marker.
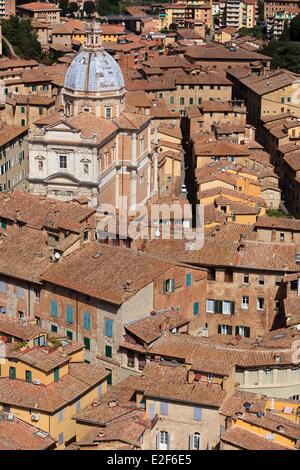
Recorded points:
(61, 178)
(62, 126)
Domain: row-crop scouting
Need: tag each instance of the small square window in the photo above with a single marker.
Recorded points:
(54, 328)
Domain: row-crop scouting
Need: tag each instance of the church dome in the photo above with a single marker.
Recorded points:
(93, 69)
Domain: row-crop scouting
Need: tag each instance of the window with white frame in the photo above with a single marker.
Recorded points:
(63, 162)
(196, 441)
(226, 307)
(210, 306)
(108, 113)
(245, 302)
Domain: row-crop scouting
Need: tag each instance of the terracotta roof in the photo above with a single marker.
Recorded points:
(274, 423)
(255, 255)
(221, 106)
(26, 255)
(16, 329)
(169, 250)
(39, 211)
(106, 272)
(236, 403)
(42, 358)
(127, 429)
(169, 382)
(150, 328)
(220, 52)
(275, 80)
(80, 379)
(170, 130)
(18, 435)
(38, 6)
(220, 149)
(248, 440)
(231, 193)
(9, 133)
(137, 99)
(169, 61)
(212, 355)
(131, 121)
(279, 223)
(293, 160)
(233, 232)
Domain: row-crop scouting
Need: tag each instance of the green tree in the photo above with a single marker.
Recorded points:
(295, 29)
(22, 37)
(107, 7)
(261, 13)
(89, 7)
(73, 7)
(64, 6)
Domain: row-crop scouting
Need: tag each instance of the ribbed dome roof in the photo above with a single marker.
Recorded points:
(94, 71)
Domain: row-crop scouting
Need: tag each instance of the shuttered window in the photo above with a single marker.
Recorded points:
(53, 308)
(69, 314)
(87, 320)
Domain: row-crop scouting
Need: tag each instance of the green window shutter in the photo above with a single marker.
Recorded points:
(196, 308)
(232, 308)
(12, 372)
(56, 374)
(230, 330)
(28, 376)
(70, 335)
(69, 314)
(188, 280)
(109, 377)
(219, 329)
(87, 343)
(3, 224)
(108, 351)
(218, 306)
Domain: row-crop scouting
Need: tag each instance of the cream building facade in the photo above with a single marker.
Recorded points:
(94, 147)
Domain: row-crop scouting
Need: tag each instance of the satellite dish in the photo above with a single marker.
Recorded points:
(56, 255)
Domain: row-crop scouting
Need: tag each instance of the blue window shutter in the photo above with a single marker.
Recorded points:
(163, 408)
(19, 292)
(196, 308)
(86, 320)
(108, 328)
(99, 390)
(53, 308)
(197, 413)
(69, 314)
(151, 410)
(188, 280)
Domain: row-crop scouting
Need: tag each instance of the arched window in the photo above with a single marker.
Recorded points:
(195, 440)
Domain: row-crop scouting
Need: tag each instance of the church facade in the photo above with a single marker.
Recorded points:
(93, 148)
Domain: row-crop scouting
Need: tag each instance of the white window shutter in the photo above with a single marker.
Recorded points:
(157, 441)
(170, 441)
(191, 439)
